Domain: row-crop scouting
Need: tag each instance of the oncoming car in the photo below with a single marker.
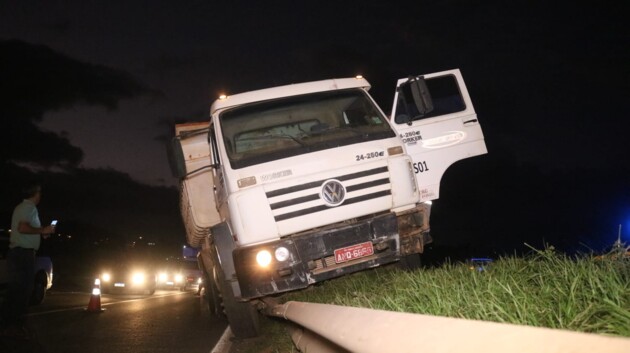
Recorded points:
(190, 275)
(168, 279)
(182, 275)
(133, 278)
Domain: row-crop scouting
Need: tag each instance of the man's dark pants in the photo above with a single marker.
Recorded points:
(21, 269)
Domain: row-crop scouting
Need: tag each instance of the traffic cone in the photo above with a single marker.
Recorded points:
(94, 305)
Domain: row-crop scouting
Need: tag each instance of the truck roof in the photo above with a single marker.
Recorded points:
(289, 90)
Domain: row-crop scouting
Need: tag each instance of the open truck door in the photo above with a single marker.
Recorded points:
(436, 120)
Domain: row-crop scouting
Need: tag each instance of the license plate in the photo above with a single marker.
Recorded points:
(119, 284)
(354, 252)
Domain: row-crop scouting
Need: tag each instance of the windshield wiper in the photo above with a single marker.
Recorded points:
(273, 137)
(323, 129)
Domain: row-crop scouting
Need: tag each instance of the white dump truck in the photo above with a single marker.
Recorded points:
(289, 186)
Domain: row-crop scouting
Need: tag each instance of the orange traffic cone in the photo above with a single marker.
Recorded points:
(94, 305)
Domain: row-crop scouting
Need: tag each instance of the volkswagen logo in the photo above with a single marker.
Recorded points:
(333, 193)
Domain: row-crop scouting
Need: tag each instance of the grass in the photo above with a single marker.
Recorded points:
(544, 289)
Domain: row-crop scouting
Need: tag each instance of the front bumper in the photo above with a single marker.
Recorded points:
(312, 258)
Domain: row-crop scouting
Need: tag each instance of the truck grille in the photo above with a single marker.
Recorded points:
(372, 178)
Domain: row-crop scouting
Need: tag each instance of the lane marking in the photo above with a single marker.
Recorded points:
(225, 342)
(105, 304)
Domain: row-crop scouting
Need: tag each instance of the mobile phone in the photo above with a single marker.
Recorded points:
(53, 223)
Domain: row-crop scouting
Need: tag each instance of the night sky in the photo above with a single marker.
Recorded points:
(91, 90)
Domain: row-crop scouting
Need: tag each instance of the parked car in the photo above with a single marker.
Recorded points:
(480, 264)
(42, 278)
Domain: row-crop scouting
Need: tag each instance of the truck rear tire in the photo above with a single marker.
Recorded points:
(243, 318)
(211, 298)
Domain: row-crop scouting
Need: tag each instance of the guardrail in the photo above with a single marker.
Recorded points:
(330, 328)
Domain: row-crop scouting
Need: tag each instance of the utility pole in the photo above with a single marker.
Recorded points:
(618, 247)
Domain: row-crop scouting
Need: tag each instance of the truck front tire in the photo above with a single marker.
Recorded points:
(243, 317)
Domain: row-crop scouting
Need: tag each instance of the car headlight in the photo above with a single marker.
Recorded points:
(163, 276)
(106, 277)
(138, 278)
(179, 278)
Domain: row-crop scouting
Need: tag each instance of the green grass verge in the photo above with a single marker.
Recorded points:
(545, 289)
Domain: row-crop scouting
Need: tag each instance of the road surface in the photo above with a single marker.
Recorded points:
(168, 321)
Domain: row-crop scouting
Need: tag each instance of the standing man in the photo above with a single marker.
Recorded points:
(26, 233)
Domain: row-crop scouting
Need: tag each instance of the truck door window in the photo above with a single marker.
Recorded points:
(445, 95)
(285, 127)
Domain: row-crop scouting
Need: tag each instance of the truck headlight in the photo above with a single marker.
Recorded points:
(263, 258)
(163, 276)
(179, 278)
(282, 254)
(106, 277)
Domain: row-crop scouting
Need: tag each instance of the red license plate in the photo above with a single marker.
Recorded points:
(353, 252)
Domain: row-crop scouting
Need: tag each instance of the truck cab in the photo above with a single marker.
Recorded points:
(293, 185)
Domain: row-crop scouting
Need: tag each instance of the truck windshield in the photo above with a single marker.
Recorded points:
(281, 128)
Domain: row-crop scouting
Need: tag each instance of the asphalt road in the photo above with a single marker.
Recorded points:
(168, 321)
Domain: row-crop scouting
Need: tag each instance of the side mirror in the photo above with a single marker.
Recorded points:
(176, 159)
(415, 90)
